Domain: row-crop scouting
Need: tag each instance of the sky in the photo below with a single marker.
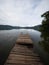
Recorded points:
(22, 12)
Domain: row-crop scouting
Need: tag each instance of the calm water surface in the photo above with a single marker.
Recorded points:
(8, 40)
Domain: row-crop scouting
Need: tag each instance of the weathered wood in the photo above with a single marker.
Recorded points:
(23, 54)
(24, 39)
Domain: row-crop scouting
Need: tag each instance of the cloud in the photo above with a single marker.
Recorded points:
(22, 12)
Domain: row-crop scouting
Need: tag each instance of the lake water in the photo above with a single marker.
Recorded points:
(8, 40)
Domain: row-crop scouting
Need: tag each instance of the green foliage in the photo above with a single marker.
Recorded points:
(45, 31)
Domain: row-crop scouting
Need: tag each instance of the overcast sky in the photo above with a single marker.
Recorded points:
(22, 12)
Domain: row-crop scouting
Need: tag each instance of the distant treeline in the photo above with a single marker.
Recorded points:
(37, 27)
(8, 27)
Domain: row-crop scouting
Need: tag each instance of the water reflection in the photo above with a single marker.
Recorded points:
(8, 40)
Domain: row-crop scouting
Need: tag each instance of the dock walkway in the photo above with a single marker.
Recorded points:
(23, 53)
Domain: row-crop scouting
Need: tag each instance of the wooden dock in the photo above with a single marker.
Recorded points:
(22, 53)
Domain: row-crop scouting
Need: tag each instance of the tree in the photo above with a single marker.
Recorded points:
(45, 31)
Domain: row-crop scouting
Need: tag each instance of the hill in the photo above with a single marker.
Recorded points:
(8, 27)
(37, 27)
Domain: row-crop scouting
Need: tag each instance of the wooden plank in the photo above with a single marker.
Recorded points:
(24, 39)
(22, 54)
